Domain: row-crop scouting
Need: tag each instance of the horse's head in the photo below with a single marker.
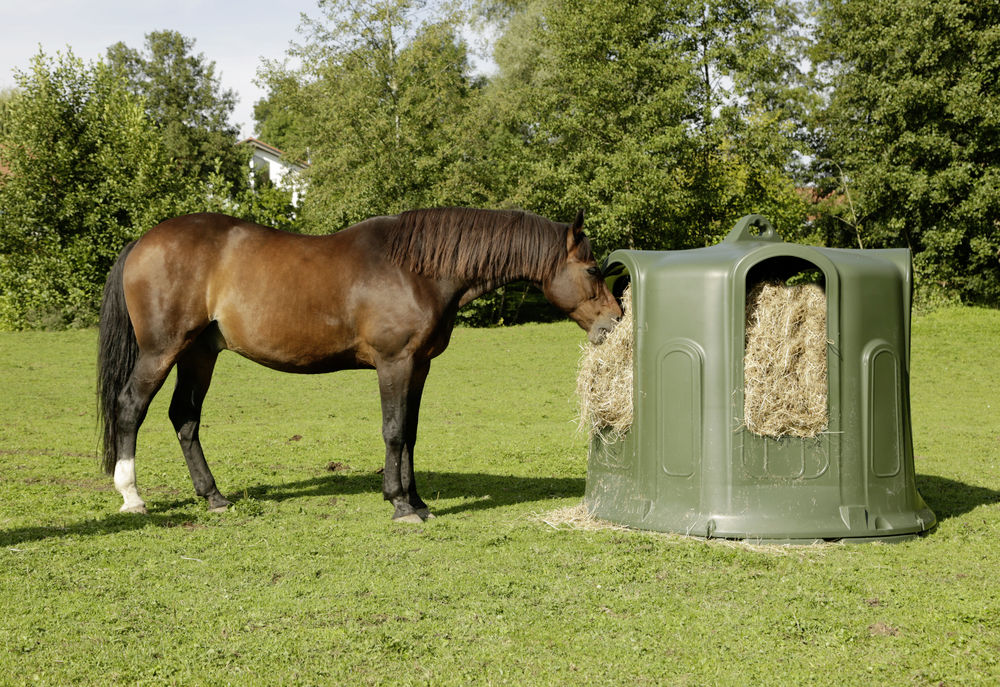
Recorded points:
(578, 289)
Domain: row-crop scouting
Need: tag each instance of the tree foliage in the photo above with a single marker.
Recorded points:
(377, 103)
(665, 120)
(183, 95)
(87, 171)
(86, 174)
(7, 96)
(911, 130)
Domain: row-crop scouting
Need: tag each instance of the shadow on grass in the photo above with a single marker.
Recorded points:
(112, 524)
(949, 499)
(479, 491)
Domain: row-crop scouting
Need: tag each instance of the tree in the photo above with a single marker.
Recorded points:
(87, 173)
(278, 122)
(749, 108)
(911, 129)
(183, 96)
(666, 121)
(378, 100)
(600, 113)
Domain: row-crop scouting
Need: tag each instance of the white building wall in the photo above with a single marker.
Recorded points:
(277, 171)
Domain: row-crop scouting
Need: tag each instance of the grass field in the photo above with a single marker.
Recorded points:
(307, 581)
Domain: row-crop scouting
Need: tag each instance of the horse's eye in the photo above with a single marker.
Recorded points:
(594, 271)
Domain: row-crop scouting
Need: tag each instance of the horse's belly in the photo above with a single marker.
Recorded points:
(293, 342)
(313, 365)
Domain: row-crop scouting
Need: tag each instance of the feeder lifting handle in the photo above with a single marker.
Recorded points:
(753, 228)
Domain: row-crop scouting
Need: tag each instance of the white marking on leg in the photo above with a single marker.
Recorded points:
(125, 484)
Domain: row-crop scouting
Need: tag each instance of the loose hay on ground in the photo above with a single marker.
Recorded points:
(784, 362)
(604, 381)
(579, 518)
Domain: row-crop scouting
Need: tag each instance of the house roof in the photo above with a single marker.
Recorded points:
(260, 145)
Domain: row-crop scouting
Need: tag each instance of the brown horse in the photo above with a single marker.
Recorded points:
(381, 294)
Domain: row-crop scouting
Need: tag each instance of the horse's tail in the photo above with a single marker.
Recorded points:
(117, 352)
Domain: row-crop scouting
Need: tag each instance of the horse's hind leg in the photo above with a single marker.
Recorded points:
(133, 402)
(194, 374)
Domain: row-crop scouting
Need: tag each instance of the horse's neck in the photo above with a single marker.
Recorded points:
(473, 291)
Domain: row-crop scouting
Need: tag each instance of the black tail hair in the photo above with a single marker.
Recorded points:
(117, 352)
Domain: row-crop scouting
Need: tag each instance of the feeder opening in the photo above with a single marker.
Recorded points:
(785, 387)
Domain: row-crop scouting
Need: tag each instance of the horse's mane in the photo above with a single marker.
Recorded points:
(492, 245)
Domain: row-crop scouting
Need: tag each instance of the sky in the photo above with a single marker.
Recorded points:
(235, 35)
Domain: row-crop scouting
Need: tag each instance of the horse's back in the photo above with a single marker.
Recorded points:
(203, 237)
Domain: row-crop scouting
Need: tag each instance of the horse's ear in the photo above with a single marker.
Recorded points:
(575, 233)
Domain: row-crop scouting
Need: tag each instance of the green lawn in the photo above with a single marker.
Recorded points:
(307, 581)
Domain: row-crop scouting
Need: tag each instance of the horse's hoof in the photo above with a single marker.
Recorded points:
(218, 504)
(411, 519)
(135, 508)
(425, 514)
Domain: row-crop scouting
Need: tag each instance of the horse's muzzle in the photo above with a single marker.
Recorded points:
(600, 330)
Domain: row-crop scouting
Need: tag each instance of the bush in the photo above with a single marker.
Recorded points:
(87, 173)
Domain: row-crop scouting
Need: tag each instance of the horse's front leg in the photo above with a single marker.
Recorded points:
(401, 384)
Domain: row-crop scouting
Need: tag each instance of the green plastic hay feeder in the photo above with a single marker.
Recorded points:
(688, 465)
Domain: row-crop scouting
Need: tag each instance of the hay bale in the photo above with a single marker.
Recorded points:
(604, 381)
(784, 362)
